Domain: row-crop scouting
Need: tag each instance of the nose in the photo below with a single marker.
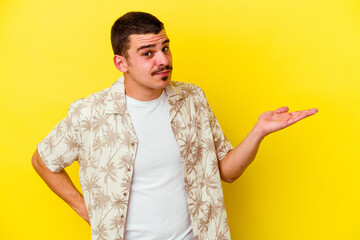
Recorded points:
(162, 59)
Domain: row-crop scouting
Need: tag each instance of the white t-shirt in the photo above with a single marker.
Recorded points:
(157, 208)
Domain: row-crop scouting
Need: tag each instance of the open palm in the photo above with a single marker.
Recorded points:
(272, 121)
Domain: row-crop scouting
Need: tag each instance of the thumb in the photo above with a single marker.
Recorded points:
(282, 110)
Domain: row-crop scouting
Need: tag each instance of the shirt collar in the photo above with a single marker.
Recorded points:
(115, 100)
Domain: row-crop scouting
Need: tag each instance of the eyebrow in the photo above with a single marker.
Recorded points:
(152, 45)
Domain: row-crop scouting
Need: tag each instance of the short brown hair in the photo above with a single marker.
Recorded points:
(132, 23)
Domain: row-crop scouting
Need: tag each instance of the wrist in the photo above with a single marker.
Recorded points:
(259, 132)
(81, 210)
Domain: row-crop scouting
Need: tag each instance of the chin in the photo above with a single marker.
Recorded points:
(165, 80)
(165, 83)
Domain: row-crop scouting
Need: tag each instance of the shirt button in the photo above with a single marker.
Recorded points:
(125, 194)
(129, 169)
(133, 144)
(122, 216)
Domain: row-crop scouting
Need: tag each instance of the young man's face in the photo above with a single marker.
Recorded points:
(149, 62)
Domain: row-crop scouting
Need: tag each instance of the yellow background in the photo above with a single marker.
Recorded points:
(248, 56)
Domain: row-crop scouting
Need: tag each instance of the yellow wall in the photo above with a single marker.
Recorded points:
(248, 56)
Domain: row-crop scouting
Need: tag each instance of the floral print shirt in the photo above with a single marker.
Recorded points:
(98, 133)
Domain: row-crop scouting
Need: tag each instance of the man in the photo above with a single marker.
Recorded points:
(150, 150)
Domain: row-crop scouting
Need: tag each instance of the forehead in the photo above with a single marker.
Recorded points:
(138, 40)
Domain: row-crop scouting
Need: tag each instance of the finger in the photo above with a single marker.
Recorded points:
(282, 110)
(311, 111)
(299, 115)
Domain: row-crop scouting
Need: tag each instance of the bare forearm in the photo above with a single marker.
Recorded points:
(238, 159)
(61, 184)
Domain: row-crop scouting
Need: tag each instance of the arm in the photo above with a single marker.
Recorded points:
(61, 184)
(238, 159)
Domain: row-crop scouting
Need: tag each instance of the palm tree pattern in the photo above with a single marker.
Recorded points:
(98, 133)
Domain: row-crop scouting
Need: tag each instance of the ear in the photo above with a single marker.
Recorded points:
(121, 63)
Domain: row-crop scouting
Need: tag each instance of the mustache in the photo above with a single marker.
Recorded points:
(167, 67)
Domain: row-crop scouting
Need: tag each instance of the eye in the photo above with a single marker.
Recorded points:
(165, 49)
(147, 54)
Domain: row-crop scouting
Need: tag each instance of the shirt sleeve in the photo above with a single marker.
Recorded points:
(61, 147)
(222, 144)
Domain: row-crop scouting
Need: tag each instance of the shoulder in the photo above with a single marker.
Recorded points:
(188, 89)
(97, 101)
(184, 85)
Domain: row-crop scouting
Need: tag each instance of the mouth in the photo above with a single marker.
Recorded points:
(163, 73)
